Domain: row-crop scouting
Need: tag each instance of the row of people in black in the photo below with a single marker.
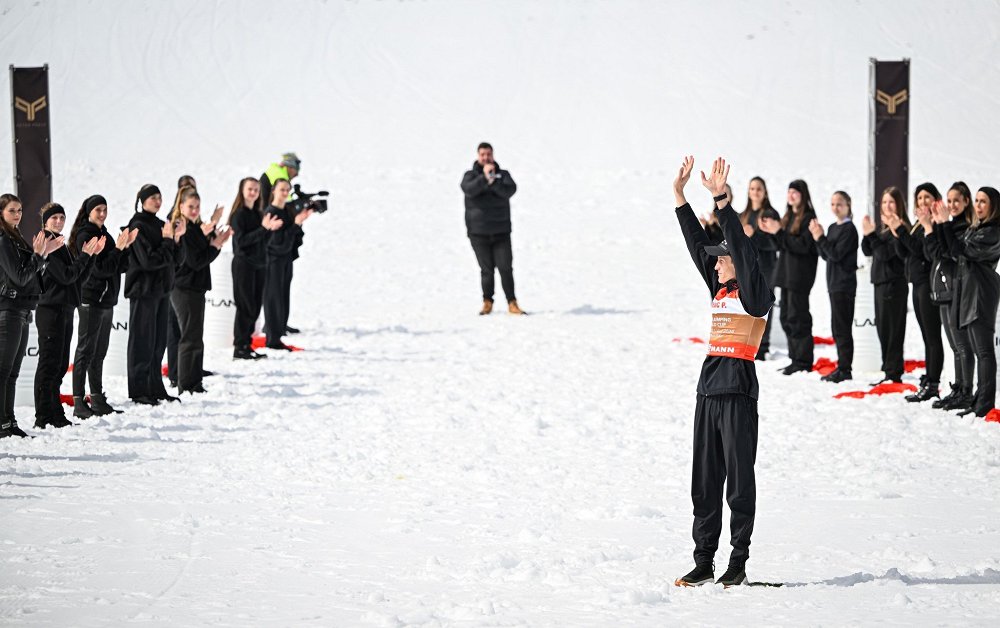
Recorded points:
(166, 269)
(948, 253)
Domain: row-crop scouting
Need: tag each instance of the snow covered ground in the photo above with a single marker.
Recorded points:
(420, 465)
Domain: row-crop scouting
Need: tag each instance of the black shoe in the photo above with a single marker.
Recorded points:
(258, 356)
(10, 428)
(278, 345)
(291, 330)
(173, 383)
(837, 376)
(888, 380)
(943, 402)
(197, 388)
(968, 411)
(59, 421)
(928, 390)
(794, 368)
(735, 575)
(146, 401)
(99, 404)
(701, 574)
(169, 397)
(80, 408)
(205, 373)
(963, 399)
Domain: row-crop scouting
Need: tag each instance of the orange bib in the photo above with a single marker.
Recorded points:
(735, 334)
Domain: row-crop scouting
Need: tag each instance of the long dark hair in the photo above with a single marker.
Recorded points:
(275, 186)
(791, 221)
(766, 205)
(994, 196)
(897, 196)
(9, 229)
(138, 196)
(239, 203)
(82, 218)
(968, 214)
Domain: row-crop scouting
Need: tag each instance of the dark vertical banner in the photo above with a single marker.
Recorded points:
(889, 122)
(29, 89)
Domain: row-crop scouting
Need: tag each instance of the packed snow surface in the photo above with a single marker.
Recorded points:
(421, 465)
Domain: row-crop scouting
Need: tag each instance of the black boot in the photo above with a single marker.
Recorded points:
(701, 574)
(99, 404)
(10, 428)
(837, 376)
(80, 408)
(59, 421)
(246, 353)
(735, 575)
(928, 390)
(963, 401)
(943, 402)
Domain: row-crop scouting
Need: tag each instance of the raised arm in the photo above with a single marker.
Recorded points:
(694, 236)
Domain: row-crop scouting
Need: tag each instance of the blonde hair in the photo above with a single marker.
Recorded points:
(185, 193)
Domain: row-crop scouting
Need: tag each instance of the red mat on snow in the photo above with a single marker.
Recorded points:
(260, 342)
(881, 389)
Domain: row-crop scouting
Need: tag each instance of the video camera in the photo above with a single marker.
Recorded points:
(315, 201)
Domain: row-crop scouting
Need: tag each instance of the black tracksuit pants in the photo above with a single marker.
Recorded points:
(277, 298)
(981, 337)
(147, 340)
(55, 331)
(796, 321)
(765, 341)
(190, 308)
(842, 326)
(13, 344)
(248, 293)
(92, 339)
(173, 338)
(929, 318)
(890, 323)
(961, 346)
(494, 252)
(725, 448)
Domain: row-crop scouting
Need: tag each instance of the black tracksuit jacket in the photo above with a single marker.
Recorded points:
(797, 263)
(487, 207)
(839, 248)
(63, 276)
(911, 246)
(197, 252)
(249, 237)
(887, 265)
(102, 285)
(152, 259)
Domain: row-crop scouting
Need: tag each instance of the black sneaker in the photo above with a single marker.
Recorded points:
(837, 376)
(169, 397)
(258, 356)
(58, 421)
(279, 345)
(735, 575)
(197, 388)
(100, 406)
(701, 574)
(794, 368)
(205, 373)
(10, 428)
(146, 401)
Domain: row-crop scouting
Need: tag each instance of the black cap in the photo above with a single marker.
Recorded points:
(717, 250)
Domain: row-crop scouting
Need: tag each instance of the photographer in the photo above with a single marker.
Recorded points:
(488, 189)
(286, 168)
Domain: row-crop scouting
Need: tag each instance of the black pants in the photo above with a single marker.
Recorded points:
(767, 261)
(842, 326)
(725, 448)
(173, 338)
(92, 339)
(493, 252)
(13, 344)
(981, 336)
(797, 323)
(248, 293)
(55, 331)
(190, 308)
(929, 319)
(961, 346)
(890, 323)
(277, 298)
(147, 339)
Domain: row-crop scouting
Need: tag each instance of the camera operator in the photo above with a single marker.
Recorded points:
(286, 168)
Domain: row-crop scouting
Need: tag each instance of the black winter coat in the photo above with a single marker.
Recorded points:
(102, 284)
(911, 246)
(19, 275)
(798, 260)
(944, 267)
(249, 237)
(487, 206)
(197, 252)
(978, 286)
(765, 243)
(839, 248)
(152, 259)
(63, 276)
(887, 265)
(284, 243)
(722, 375)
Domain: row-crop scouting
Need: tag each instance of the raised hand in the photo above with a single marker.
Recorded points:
(89, 246)
(683, 175)
(122, 242)
(939, 212)
(101, 243)
(180, 229)
(747, 229)
(893, 221)
(303, 216)
(221, 238)
(167, 230)
(716, 180)
(867, 225)
(53, 244)
(132, 235)
(217, 214)
(38, 243)
(271, 222)
(815, 229)
(769, 225)
(208, 227)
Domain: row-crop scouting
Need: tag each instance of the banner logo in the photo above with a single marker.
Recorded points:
(891, 102)
(29, 108)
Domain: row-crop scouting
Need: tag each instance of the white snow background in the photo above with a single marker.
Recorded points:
(421, 465)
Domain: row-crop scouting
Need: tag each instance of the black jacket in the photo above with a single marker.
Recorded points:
(887, 265)
(63, 276)
(722, 375)
(101, 286)
(978, 286)
(910, 245)
(798, 260)
(839, 248)
(249, 237)
(197, 252)
(765, 243)
(152, 259)
(284, 243)
(487, 207)
(944, 267)
(19, 269)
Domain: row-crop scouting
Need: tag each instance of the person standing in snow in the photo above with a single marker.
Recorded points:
(759, 206)
(725, 421)
(282, 249)
(839, 248)
(488, 189)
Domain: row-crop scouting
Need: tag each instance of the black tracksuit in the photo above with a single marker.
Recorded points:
(99, 295)
(487, 223)
(767, 256)
(61, 281)
(20, 288)
(944, 276)
(839, 248)
(891, 290)
(249, 271)
(725, 422)
(148, 282)
(282, 249)
(912, 248)
(795, 275)
(192, 281)
(978, 294)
